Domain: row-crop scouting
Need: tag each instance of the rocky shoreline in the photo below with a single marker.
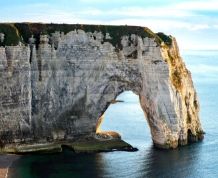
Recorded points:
(101, 142)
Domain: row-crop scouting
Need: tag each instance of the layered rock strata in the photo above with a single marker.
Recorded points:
(59, 88)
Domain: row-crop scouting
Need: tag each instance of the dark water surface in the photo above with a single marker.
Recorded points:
(196, 160)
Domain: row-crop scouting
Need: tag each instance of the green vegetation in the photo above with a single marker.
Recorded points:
(22, 32)
(98, 146)
(43, 148)
(165, 38)
(79, 146)
(11, 36)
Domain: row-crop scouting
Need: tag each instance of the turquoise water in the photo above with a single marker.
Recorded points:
(196, 160)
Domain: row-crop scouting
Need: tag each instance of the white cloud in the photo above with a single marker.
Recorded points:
(198, 27)
(91, 12)
(178, 19)
(165, 17)
(158, 18)
(159, 24)
(198, 5)
(215, 26)
(138, 12)
(182, 5)
(150, 12)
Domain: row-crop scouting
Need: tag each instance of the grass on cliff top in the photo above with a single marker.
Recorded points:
(167, 39)
(15, 32)
(11, 36)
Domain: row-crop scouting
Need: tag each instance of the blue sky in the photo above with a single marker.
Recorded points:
(193, 22)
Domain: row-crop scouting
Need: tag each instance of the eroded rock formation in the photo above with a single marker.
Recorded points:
(59, 88)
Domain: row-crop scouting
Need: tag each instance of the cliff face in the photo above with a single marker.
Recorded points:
(59, 88)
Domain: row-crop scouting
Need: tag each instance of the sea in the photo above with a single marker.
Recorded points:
(195, 160)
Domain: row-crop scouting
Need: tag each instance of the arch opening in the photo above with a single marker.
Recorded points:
(124, 118)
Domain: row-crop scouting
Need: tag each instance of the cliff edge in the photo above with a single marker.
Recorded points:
(57, 80)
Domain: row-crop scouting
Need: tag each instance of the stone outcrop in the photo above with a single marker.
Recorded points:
(58, 89)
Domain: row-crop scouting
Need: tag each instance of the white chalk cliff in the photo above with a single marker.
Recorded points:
(59, 89)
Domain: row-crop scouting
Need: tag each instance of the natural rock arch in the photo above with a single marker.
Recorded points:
(67, 88)
(164, 134)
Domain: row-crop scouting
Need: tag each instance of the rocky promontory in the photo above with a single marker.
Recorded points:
(57, 80)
